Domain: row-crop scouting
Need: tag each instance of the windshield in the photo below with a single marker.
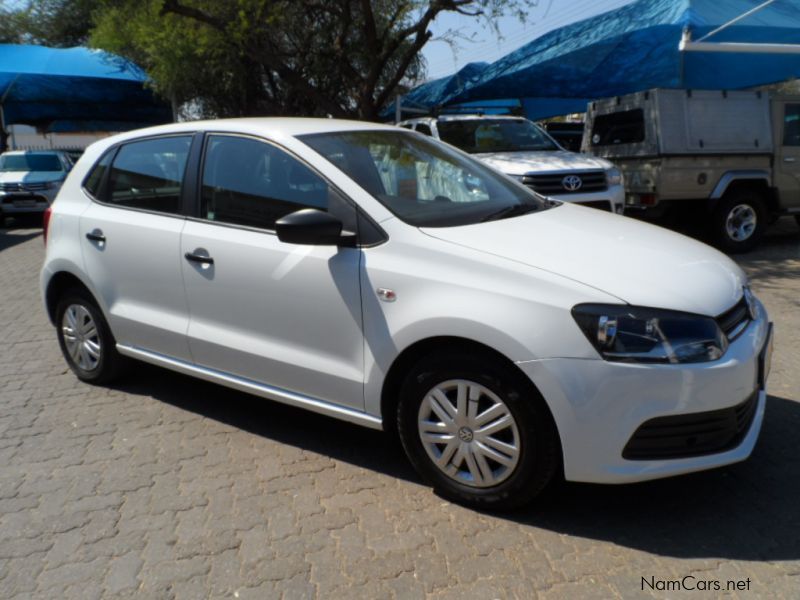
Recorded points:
(424, 182)
(494, 135)
(30, 162)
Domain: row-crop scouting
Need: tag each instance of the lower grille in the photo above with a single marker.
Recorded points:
(552, 184)
(23, 187)
(684, 436)
(598, 204)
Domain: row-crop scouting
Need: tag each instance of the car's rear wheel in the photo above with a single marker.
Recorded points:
(476, 431)
(739, 221)
(85, 338)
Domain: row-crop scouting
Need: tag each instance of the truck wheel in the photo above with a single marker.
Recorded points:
(739, 221)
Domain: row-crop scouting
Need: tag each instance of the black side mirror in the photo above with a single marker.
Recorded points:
(313, 226)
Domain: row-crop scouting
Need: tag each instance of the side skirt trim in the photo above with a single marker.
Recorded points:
(252, 387)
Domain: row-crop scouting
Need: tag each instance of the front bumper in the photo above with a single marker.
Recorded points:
(599, 405)
(614, 194)
(13, 203)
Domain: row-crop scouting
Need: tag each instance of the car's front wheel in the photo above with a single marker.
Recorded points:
(476, 431)
(85, 338)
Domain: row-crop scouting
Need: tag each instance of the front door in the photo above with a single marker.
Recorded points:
(787, 161)
(131, 239)
(281, 314)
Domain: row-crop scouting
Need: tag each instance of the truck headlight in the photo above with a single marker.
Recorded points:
(614, 176)
(650, 335)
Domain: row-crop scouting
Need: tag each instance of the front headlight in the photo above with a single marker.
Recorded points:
(614, 176)
(650, 335)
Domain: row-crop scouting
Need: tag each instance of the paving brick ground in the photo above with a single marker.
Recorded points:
(167, 487)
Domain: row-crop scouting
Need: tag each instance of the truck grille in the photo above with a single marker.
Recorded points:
(23, 187)
(683, 436)
(557, 184)
(734, 320)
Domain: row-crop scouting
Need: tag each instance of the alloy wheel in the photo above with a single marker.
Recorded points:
(741, 222)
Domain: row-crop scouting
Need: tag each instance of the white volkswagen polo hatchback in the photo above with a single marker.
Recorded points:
(378, 276)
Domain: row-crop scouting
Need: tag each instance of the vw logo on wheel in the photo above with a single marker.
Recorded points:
(572, 183)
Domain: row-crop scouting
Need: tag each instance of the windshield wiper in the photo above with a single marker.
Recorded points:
(514, 210)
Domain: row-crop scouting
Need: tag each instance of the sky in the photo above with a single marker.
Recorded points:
(483, 44)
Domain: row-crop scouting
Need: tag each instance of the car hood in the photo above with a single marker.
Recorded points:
(30, 176)
(520, 163)
(638, 263)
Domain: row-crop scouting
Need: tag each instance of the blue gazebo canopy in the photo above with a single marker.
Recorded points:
(75, 89)
(630, 49)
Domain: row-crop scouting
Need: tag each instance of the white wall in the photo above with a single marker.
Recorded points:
(23, 137)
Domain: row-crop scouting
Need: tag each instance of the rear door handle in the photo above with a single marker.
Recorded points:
(96, 236)
(789, 159)
(198, 258)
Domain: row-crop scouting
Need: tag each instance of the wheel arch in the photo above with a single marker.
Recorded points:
(736, 181)
(412, 354)
(59, 283)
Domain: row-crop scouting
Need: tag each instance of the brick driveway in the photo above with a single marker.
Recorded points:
(167, 487)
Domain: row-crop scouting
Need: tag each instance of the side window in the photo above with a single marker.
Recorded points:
(791, 125)
(95, 178)
(148, 174)
(625, 127)
(248, 182)
(423, 128)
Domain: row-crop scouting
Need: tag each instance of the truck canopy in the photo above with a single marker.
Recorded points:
(674, 122)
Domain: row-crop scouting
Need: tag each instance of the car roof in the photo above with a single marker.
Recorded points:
(269, 126)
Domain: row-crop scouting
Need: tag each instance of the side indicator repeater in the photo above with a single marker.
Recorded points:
(386, 294)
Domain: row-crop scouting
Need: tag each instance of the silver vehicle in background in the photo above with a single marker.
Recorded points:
(521, 149)
(30, 180)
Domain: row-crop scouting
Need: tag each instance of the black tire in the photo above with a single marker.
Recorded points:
(797, 218)
(110, 363)
(539, 449)
(745, 202)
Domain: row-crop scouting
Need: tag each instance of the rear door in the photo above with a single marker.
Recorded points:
(131, 242)
(280, 314)
(787, 161)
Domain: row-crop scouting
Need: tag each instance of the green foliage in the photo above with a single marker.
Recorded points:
(278, 57)
(59, 23)
(255, 57)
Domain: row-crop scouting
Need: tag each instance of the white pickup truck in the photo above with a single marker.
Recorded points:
(519, 148)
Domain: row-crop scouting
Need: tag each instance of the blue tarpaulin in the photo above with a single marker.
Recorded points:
(75, 89)
(630, 49)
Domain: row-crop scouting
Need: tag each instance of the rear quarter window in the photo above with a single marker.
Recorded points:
(94, 180)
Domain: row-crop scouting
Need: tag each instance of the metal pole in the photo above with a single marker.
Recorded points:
(736, 20)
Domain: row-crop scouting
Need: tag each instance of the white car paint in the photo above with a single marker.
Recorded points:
(508, 284)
